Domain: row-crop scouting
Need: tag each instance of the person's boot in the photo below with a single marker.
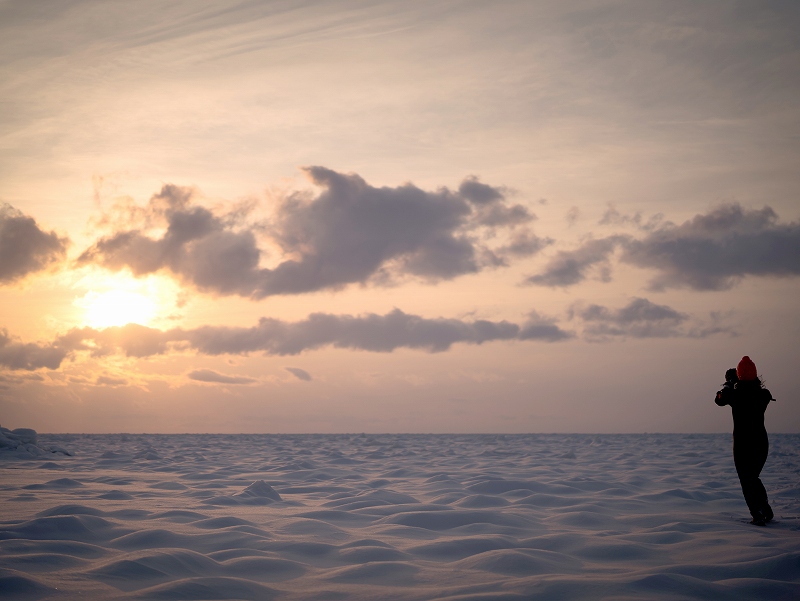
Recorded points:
(767, 513)
(758, 519)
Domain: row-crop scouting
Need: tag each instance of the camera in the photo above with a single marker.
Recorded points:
(731, 378)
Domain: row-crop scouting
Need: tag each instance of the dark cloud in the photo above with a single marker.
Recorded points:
(300, 374)
(211, 376)
(715, 250)
(538, 327)
(480, 193)
(711, 251)
(641, 318)
(370, 332)
(110, 381)
(29, 356)
(569, 267)
(524, 243)
(24, 247)
(499, 215)
(350, 232)
(199, 246)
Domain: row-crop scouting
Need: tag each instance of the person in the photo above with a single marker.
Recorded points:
(748, 399)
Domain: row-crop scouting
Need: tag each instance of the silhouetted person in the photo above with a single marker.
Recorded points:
(745, 393)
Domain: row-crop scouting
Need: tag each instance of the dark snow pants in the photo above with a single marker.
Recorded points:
(749, 456)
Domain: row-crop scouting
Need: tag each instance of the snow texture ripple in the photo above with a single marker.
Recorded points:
(392, 517)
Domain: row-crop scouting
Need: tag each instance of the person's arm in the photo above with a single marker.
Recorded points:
(724, 396)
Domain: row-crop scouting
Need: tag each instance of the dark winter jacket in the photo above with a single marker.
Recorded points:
(748, 401)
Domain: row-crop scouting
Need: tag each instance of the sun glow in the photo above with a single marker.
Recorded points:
(119, 299)
(117, 308)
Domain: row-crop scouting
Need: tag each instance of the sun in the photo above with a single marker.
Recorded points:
(119, 299)
(117, 308)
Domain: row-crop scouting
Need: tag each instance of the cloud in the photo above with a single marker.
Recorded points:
(133, 340)
(569, 267)
(197, 245)
(211, 376)
(542, 328)
(29, 356)
(24, 247)
(479, 193)
(524, 243)
(573, 214)
(711, 251)
(109, 381)
(714, 251)
(300, 374)
(641, 318)
(369, 332)
(613, 217)
(349, 232)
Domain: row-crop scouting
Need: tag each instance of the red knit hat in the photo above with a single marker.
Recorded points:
(746, 370)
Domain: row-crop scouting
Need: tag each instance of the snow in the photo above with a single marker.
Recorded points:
(22, 443)
(395, 517)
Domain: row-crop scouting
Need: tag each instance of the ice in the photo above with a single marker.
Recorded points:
(22, 443)
(396, 517)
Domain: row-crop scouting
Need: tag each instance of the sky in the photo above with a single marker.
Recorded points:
(359, 216)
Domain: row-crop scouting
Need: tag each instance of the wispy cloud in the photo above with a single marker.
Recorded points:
(612, 216)
(110, 381)
(569, 267)
(641, 318)
(299, 373)
(213, 377)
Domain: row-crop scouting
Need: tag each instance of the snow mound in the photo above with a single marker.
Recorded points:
(258, 493)
(259, 490)
(21, 443)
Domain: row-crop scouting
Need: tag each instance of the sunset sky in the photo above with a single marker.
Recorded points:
(449, 216)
